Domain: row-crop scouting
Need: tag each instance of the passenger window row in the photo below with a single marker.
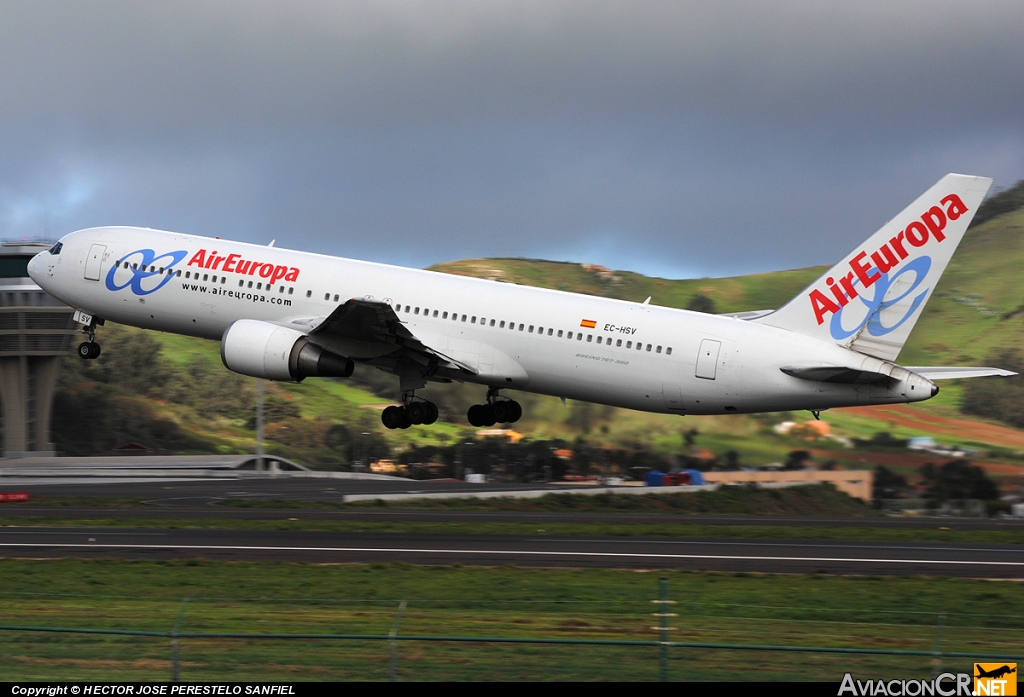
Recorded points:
(531, 329)
(209, 278)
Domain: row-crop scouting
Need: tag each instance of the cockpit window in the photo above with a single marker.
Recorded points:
(55, 249)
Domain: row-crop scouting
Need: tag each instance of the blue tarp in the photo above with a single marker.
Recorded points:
(653, 478)
(656, 478)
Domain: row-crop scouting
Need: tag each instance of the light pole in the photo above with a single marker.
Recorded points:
(259, 425)
(365, 462)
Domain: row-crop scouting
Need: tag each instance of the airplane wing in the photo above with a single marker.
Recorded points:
(957, 372)
(370, 329)
(747, 314)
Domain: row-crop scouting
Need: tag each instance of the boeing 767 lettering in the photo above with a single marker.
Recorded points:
(288, 315)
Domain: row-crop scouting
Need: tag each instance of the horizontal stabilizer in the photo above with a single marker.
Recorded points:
(838, 374)
(957, 372)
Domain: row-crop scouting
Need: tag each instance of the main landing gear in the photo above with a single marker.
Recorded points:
(497, 410)
(412, 411)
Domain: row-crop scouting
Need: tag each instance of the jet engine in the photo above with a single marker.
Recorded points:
(265, 350)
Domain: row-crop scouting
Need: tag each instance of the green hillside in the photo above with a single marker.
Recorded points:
(172, 392)
(978, 305)
(754, 292)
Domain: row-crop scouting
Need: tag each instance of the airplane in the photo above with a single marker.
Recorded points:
(995, 672)
(287, 315)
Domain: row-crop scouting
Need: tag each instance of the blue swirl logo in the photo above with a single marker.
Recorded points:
(877, 304)
(136, 269)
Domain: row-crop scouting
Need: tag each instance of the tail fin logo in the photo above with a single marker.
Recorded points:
(876, 305)
(867, 273)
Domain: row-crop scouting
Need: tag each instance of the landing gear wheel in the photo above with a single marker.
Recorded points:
(406, 421)
(432, 416)
(487, 412)
(418, 412)
(506, 411)
(515, 411)
(88, 350)
(393, 417)
(502, 412)
(474, 416)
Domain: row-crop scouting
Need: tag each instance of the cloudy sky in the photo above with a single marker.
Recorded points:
(670, 138)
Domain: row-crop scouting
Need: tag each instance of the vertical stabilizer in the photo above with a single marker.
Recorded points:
(871, 300)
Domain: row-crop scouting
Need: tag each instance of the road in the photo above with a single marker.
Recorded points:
(208, 500)
(211, 499)
(987, 560)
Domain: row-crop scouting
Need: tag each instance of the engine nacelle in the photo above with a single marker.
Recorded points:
(265, 350)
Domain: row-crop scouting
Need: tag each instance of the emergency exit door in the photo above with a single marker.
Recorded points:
(707, 359)
(93, 261)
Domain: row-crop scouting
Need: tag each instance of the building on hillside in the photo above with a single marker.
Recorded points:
(856, 483)
(36, 331)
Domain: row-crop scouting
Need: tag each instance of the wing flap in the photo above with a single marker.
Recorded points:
(378, 329)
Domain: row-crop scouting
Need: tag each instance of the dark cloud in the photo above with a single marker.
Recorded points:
(674, 138)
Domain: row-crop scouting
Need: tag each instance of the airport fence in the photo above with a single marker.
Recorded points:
(663, 647)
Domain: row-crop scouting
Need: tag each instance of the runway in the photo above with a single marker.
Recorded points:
(210, 499)
(988, 561)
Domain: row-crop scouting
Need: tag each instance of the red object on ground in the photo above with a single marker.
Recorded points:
(14, 496)
(678, 479)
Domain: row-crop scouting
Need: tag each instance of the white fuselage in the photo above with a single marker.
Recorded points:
(635, 355)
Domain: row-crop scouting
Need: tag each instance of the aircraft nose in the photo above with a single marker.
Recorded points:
(35, 267)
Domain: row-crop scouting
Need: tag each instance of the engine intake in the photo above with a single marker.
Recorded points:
(264, 350)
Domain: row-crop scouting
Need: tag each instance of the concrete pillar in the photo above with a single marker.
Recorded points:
(36, 330)
(13, 403)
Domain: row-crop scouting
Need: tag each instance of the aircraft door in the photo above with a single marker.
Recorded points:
(93, 262)
(707, 359)
(673, 396)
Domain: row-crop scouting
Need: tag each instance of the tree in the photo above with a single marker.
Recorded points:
(888, 484)
(998, 204)
(797, 460)
(131, 361)
(730, 462)
(998, 398)
(701, 303)
(958, 479)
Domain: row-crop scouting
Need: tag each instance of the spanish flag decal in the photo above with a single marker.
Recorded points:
(588, 323)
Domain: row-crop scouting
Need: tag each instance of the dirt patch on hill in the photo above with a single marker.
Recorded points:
(867, 459)
(962, 429)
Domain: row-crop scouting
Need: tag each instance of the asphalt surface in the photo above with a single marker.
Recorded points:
(209, 499)
(807, 556)
(212, 499)
(216, 510)
(291, 488)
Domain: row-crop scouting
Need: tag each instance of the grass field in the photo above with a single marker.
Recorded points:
(816, 500)
(943, 532)
(747, 500)
(903, 613)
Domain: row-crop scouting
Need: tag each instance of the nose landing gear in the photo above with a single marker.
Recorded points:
(497, 410)
(89, 350)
